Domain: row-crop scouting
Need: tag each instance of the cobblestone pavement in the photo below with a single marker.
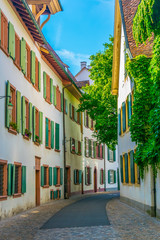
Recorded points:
(126, 223)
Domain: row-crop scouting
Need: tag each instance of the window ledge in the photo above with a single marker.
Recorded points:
(5, 52)
(2, 198)
(57, 185)
(46, 186)
(27, 78)
(11, 130)
(56, 150)
(49, 148)
(37, 144)
(47, 101)
(26, 137)
(16, 195)
(19, 68)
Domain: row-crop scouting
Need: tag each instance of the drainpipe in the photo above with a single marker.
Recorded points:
(66, 196)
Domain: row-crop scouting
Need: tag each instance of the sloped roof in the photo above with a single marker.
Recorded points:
(81, 84)
(128, 10)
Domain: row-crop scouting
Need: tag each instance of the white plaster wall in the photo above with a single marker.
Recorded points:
(140, 193)
(84, 75)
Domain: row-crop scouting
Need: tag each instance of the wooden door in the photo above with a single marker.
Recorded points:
(68, 181)
(95, 180)
(37, 187)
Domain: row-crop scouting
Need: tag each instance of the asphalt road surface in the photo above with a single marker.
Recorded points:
(90, 211)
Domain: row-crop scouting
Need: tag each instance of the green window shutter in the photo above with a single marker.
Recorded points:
(54, 96)
(23, 179)
(114, 176)
(104, 177)
(80, 176)
(51, 90)
(70, 110)
(50, 176)
(109, 176)
(33, 67)
(124, 116)
(80, 118)
(114, 155)
(90, 175)
(54, 176)
(39, 76)
(75, 176)
(9, 180)
(23, 56)
(85, 142)
(34, 124)
(108, 154)
(44, 85)
(42, 176)
(52, 134)
(11, 40)
(100, 176)
(132, 167)
(7, 122)
(47, 137)
(121, 167)
(30, 117)
(66, 105)
(57, 136)
(18, 108)
(61, 176)
(126, 167)
(23, 115)
(119, 121)
(13, 179)
(129, 99)
(41, 127)
(86, 179)
(62, 102)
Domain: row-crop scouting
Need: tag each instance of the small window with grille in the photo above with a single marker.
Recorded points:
(45, 175)
(16, 178)
(3, 179)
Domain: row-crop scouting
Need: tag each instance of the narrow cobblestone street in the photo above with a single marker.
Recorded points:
(120, 222)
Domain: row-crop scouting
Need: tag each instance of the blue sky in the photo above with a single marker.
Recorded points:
(80, 30)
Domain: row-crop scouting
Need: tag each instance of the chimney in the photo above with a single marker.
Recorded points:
(83, 64)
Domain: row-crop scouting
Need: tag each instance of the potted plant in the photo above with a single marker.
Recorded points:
(28, 133)
(37, 139)
(13, 125)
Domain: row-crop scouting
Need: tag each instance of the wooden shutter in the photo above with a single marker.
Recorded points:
(75, 176)
(30, 117)
(9, 179)
(54, 176)
(80, 176)
(124, 116)
(126, 167)
(23, 55)
(42, 176)
(132, 167)
(119, 121)
(114, 156)
(57, 136)
(11, 42)
(44, 84)
(23, 179)
(54, 96)
(86, 179)
(13, 179)
(18, 107)
(50, 176)
(114, 176)
(41, 127)
(52, 134)
(85, 141)
(61, 176)
(7, 102)
(62, 102)
(70, 110)
(90, 175)
(121, 167)
(47, 137)
(109, 176)
(34, 124)
(51, 90)
(33, 67)
(39, 76)
(23, 115)
(129, 99)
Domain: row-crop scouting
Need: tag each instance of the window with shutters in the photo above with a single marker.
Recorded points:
(58, 176)
(92, 149)
(3, 180)
(76, 176)
(88, 177)
(110, 155)
(17, 51)
(48, 133)
(4, 33)
(28, 63)
(37, 74)
(101, 176)
(48, 87)
(73, 145)
(12, 112)
(73, 113)
(37, 139)
(17, 179)
(58, 98)
(86, 147)
(112, 180)
(57, 137)
(46, 176)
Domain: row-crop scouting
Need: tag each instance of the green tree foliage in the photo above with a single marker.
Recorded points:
(97, 99)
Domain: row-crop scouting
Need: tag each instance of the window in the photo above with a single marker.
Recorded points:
(111, 155)
(58, 99)
(90, 148)
(101, 151)
(37, 122)
(78, 117)
(87, 118)
(86, 141)
(48, 133)
(27, 113)
(3, 179)
(73, 113)
(65, 106)
(4, 33)
(17, 50)
(17, 174)
(98, 150)
(28, 62)
(101, 176)
(111, 176)
(57, 137)
(45, 176)
(37, 74)
(79, 148)
(72, 145)
(48, 96)
(57, 176)
(76, 176)
(88, 175)
(12, 113)
(37, 126)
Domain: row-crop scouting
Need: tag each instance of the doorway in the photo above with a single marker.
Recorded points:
(37, 180)
(95, 179)
(68, 170)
